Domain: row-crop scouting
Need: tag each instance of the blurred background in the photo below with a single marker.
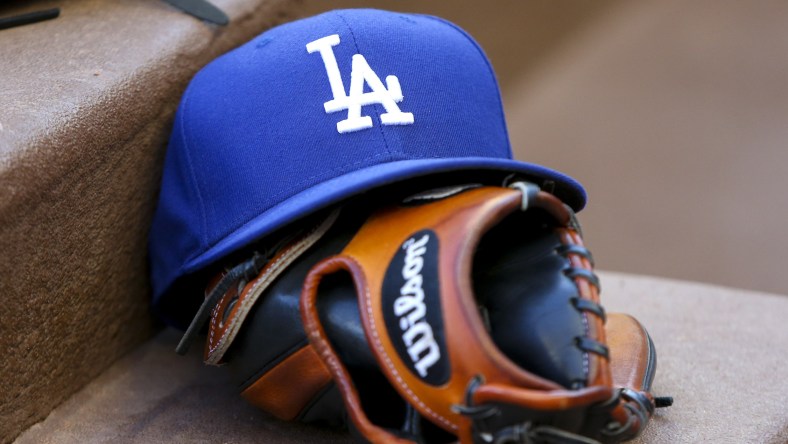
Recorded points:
(673, 115)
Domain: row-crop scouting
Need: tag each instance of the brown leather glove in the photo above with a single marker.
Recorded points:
(467, 314)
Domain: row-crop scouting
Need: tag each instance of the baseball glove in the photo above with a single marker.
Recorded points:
(467, 314)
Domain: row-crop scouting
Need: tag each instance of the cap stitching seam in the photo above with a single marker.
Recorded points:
(203, 219)
(374, 110)
(489, 68)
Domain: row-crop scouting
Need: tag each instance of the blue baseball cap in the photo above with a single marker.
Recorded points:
(313, 112)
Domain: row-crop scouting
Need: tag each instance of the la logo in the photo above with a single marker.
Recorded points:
(388, 96)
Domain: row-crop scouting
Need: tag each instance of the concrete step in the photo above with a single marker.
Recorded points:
(720, 355)
(86, 106)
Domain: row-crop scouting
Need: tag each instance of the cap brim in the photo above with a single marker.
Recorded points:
(343, 187)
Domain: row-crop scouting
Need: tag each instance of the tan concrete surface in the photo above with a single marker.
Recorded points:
(153, 395)
(86, 102)
(721, 355)
(674, 115)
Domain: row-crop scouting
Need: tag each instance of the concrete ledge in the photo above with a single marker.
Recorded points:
(153, 395)
(86, 106)
(720, 355)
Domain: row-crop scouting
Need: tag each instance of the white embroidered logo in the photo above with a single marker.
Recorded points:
(388, 96)
(412, 310)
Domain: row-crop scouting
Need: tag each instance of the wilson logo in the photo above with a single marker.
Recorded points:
(423, 350)
(412, 307)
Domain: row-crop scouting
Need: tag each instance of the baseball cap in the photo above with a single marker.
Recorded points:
(313, 112)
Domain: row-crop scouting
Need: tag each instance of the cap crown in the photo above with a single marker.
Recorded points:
(308, 102)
